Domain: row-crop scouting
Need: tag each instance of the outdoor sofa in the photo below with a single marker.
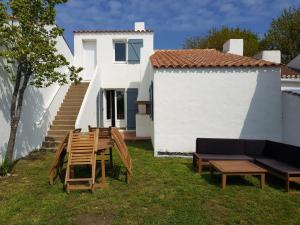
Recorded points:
(281, 160)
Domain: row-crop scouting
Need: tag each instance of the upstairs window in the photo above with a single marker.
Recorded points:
(120, 51)
(128, 50)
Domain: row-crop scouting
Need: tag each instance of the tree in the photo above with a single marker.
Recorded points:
(216, 38)
(27, 39)
(284, 34)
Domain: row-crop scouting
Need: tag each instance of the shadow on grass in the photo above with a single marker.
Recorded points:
(271, 180)
(279, 184)
(190, 166)
(85, 171)
(215, 179)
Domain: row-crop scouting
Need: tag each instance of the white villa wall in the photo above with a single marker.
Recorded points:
(39, 109)
(291, 119)
(216, 103)
(144, 125)
(114, 74)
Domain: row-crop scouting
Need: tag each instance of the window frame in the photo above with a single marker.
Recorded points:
(123, 41)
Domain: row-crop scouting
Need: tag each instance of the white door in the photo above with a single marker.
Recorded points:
(114, 108)
(89, 59)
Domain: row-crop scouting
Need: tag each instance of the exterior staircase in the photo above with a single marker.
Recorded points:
(66, 116)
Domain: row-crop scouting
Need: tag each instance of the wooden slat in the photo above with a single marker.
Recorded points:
(82, 148)
(123, 151)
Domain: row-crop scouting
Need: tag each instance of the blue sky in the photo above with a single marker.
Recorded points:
(172, 20)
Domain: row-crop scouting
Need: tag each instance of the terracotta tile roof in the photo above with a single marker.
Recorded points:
(197, 58)
(111, 31)
(287, 72)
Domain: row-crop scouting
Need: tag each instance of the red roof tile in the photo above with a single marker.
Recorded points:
(287, 72)
(112, 31)
(197, 58)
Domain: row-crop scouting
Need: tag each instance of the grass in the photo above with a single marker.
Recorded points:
(163, 191)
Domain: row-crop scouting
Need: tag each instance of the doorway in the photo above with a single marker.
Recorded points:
(89, 58)
(114, 110)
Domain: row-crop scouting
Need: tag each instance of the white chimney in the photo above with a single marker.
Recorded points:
(269, 55)
(139, 26)
(234, 46)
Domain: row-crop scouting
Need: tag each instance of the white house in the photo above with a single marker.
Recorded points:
(172, 96)
(118, 61)
(175, 96)
(206, 93)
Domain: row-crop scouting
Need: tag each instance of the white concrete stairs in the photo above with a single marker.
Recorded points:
(66, 116)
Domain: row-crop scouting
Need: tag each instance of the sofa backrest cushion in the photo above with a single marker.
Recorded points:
(283, 152)
(254, 147)
(220, 146)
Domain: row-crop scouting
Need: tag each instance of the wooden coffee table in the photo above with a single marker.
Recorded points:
(237, 168)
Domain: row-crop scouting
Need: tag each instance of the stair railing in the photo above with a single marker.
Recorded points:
(86, 115)
(46, 110)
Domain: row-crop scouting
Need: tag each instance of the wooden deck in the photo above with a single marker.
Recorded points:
(130, 135)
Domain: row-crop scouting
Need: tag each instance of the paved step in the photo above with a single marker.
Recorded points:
(75, 102)
(64, 122)
(77, 90)
(67, 113)
(57, 132)
(50, 144)
(67, 117)
(62, 127)
(57, 138)
(69, 108)
(80, 93)
(74, 97)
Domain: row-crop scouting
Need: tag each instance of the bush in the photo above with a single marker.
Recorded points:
(6, 167)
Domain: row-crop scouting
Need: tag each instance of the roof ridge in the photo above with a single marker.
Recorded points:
(113, 31)
(188, 49)
(199, 58)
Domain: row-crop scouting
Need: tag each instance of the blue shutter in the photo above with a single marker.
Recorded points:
(134, 50)
(132, 107)
(151, 101)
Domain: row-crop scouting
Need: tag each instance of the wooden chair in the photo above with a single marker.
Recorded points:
(58, 160)
(81, 152)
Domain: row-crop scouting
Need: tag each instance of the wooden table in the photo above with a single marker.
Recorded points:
(237, 168)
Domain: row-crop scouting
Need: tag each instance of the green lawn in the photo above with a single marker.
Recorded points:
(162, 191)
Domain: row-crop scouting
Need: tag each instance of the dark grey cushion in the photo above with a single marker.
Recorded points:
(254, 147)
(207, 157)
(278, 165)
(220, 146)
(283, 152)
